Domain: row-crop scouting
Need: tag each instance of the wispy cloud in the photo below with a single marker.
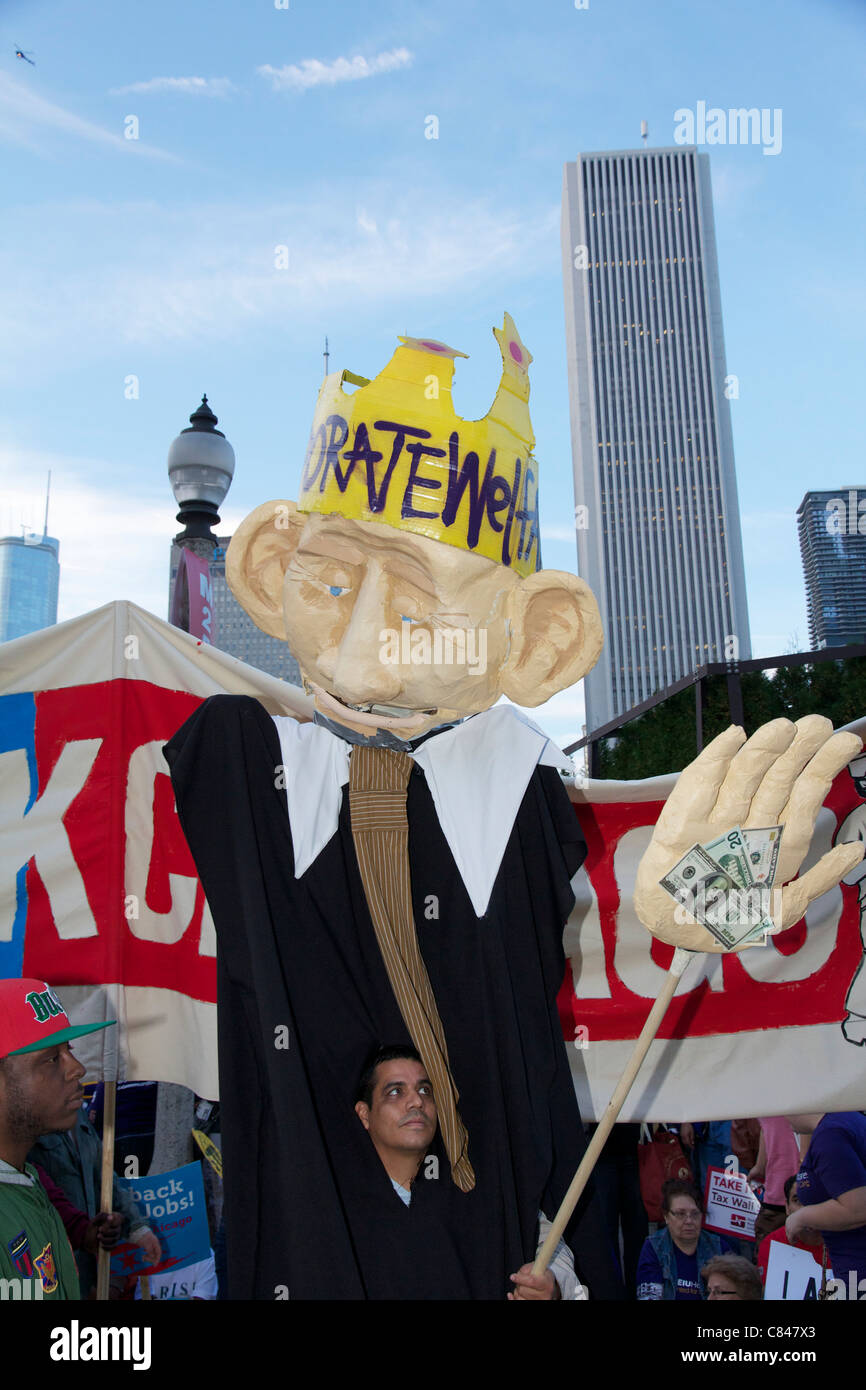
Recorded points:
(25, 117)
(185, 86)
(155, 281)
(312, 72)
(133, 560)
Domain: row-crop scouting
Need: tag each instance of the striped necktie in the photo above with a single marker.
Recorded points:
(378, 779)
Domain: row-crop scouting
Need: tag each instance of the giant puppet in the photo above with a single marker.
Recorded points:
(400, 868)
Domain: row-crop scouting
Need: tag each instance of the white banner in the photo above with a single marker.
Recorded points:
(98, 889)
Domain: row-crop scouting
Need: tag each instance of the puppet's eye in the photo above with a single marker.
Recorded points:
(336, 590)
(404, 618)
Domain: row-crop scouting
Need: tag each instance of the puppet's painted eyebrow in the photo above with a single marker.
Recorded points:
(330, 550)
(397, 566)
(416, 579)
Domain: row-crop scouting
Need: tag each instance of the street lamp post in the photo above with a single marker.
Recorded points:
(201, 464)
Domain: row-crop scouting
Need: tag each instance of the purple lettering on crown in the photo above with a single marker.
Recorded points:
(418, 451)
(459, 479)
(360, 452)
(527, 516)
(512, 505)
(326, 436)
(377, 499)
(311, 473)
(339, 433)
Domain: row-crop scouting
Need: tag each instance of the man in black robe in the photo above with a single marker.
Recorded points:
(407, 582)
(310, 1213)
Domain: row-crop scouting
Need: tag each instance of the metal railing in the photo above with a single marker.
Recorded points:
(732, 671)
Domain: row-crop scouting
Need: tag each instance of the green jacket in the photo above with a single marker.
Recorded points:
(36, 1259)
(73, 1159)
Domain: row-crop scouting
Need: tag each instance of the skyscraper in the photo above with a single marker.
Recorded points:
(29, 581)
(234, 631)
(657, 518)
(832, 527)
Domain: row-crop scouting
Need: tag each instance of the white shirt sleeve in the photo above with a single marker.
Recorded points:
(562, 1264)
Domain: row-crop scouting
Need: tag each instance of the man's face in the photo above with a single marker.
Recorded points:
(683, 1220)
(409, 631)
(40, 1092)
(792, 1202)
(401, 1117)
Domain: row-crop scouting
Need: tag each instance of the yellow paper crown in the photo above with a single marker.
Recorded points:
(394, 451)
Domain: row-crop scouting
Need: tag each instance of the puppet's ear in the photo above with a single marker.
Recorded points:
(556, 636)
(256, 561)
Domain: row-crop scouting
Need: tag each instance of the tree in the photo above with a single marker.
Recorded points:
(664, 739)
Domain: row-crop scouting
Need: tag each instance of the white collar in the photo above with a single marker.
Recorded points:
(9, 1174)
(477, 773)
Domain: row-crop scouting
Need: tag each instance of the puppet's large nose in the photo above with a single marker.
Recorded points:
(361, 674)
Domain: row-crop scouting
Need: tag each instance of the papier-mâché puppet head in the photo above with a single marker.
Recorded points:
(407, 577)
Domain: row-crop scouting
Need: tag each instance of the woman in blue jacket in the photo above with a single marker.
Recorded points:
(671, 1261)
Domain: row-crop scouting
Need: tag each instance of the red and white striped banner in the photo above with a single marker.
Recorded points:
(99, 895)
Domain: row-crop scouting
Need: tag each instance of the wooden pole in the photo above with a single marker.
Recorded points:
(110, 1068)
(614, 1105)
(106, 1197)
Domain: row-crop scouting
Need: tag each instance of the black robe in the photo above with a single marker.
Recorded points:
(310, 1211)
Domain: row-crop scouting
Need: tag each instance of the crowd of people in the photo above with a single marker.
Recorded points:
(810, 1170)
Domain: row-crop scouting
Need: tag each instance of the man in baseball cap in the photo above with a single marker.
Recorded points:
(40, 1093)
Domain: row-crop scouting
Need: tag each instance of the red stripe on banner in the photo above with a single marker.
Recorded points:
(121, 717)
(745, 1004)
(113, 895)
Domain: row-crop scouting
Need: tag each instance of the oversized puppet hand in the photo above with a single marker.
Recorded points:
(780, 776)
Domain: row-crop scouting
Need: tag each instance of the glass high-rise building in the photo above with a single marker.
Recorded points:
(657, 517)
(29, 582)
(832, 527)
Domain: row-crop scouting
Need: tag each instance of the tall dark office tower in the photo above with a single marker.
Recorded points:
(832, 527)
(657, 519)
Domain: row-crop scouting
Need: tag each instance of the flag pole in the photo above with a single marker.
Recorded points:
(680, 960)
(106, 1198)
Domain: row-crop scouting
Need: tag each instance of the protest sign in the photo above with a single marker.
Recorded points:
(173, 1203)
(793, 1274)
(730, 1205)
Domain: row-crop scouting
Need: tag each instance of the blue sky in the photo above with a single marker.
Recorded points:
(260, 126)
